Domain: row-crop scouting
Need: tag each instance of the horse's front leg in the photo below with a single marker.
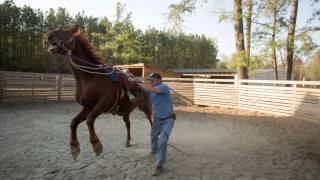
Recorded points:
(95, 142)
(126, 119)
(96, 111)
(74, 144)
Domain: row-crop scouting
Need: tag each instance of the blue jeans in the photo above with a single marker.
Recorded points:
(160, 132)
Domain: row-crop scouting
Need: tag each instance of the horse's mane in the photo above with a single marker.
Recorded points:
(94, 56)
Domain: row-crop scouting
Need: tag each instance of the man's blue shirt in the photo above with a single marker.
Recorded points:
(162, 102)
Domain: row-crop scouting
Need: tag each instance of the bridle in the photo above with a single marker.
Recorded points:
(90, 68)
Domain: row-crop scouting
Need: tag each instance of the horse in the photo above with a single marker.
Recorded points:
(100, 88)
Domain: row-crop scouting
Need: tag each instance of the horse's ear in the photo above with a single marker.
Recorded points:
(75, 30)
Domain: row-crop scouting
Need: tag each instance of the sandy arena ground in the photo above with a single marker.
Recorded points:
(213, 143)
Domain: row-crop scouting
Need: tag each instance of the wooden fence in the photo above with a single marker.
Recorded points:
(285, 98)
(18, 86)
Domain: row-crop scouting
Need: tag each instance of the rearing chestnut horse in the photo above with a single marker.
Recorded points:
(99, 88)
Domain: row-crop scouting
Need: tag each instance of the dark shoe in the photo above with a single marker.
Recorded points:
(157, 171)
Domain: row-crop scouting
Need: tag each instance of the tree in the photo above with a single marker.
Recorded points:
(316, 11)
(9, 31)
(304, 45)
(177, 12)
(271, 24)
(312, 70)
(21, 33)
(80, 19)
(239, 38)
(248, 17)
(297, 69)
(290, 38)
(50, 20)
(63, 18)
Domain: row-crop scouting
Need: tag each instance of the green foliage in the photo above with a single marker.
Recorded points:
(256, 62)
(177, 11)
(270, 26)
(21, 46)
(312, 70)
(237, 61)
(316, 11)
(304, 44)
(225, 17)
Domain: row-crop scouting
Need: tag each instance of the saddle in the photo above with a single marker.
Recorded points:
(123, 82)
(120, 77)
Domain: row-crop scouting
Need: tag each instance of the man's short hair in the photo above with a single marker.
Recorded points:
(153, 76)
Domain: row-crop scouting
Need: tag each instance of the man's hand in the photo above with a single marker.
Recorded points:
(145, 86)
(131, 79)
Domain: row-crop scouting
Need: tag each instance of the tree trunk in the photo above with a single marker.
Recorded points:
(248, 31)
(239, 37)
(290, 38)
(1, 47)
(273, 41)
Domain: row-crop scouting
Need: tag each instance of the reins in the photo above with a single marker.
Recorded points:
(88, 69)
(83, 68)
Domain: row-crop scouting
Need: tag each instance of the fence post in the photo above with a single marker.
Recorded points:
(33, 86)
(193, 91)
(237, 84)
(2, 85)
(294, 103)
(59, 84)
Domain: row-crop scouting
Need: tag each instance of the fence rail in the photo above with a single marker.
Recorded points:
(17, 86)
(286, 98)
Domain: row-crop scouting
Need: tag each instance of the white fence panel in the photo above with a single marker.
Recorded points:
(287, 98)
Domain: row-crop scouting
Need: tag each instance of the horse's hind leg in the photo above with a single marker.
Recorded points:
(74, 144)
(126, 119)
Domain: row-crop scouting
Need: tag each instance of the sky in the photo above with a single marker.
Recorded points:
(152, 13)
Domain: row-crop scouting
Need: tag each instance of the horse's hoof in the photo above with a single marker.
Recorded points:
(97, 148)
(75, 151)
(128, 144)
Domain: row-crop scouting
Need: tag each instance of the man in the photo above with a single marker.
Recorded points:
(163, 117)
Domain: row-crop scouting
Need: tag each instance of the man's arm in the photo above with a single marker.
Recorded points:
(145, 86)
(148, 87)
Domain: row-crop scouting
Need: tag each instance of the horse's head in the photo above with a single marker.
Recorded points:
(61, 41)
